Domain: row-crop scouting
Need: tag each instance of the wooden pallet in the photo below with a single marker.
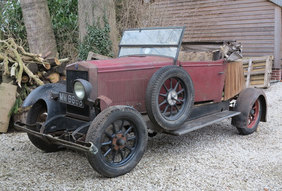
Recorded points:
(257, 71)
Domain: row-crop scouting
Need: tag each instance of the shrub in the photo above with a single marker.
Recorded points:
(96, 40)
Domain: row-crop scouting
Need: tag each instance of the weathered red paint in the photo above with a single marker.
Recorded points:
(208, 79)
(124, 80)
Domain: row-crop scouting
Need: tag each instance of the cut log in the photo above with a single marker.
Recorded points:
(60, 69)
(33, 67)
(34, 77)
(25, 79)
(54, 77)
(64, 60)
(56, 61)
(47, 66)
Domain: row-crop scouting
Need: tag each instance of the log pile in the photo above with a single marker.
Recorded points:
(27, 68)
(24, 71)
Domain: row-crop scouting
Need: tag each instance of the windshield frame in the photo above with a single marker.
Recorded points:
(178, 45)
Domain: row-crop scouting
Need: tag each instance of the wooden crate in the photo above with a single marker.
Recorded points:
(257, 71)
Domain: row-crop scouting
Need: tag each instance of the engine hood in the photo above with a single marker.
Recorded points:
(122, 80)
(122, 63)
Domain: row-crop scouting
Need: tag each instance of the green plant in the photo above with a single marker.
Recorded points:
(64, 18)
(11, 22)
(96, 40)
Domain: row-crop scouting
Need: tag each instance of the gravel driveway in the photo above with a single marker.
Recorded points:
(212, 158)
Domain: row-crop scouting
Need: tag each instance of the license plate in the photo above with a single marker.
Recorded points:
(70, 99)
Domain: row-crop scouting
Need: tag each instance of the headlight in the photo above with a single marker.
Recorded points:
(79, 90)
(82, 89)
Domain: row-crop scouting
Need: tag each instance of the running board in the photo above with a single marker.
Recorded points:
(202, 122)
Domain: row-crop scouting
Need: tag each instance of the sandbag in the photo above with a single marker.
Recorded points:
(7, 101)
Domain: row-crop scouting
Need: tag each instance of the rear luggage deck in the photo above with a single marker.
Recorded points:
(202, 122)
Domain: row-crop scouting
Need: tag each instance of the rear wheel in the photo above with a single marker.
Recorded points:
(38, 114)
(252, 119)
(120, 134)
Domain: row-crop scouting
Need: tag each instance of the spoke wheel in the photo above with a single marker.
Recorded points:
(251, 111)
(254, 114)
(120, 134)
(172, 98)
(169, 98)
(118, 142)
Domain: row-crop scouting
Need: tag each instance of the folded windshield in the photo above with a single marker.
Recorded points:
(151, 41)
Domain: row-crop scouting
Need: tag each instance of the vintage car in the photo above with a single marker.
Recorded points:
(106, 107)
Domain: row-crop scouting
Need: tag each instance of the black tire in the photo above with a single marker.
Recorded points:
(250, 117)
(120, 134)
(161, 100)
(35, 115)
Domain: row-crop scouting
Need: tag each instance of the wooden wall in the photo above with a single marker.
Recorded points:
(248, 21)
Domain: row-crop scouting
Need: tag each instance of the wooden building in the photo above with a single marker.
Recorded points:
(254, 23)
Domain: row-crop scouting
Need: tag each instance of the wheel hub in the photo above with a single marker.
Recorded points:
(252, 112)
(172, 97)
(119, 141)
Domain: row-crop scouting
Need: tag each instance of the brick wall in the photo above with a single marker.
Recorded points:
(276, 74)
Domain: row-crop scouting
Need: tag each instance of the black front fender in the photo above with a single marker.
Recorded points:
(44, 93)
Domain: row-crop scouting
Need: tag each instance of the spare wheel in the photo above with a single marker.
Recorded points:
(169, 97)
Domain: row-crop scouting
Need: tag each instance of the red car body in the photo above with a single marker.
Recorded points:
(123, 81)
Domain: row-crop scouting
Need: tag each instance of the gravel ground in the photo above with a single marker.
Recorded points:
(212, 158)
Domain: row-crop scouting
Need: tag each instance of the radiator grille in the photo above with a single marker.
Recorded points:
(71, 76)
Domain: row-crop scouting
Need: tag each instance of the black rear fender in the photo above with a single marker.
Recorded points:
(246, 99)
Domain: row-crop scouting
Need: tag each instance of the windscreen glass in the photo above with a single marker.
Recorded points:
(162, 42)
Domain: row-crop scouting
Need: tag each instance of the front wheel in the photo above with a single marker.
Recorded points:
(120, 134)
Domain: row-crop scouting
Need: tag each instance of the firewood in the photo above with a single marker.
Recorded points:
(25, 79)
(33, 67)
(64, 60)
(47, 65)
(60, 69)
(62, 78)
(31, 75)
(13, 70)
(24, 65)
(56, 62)
(54, 77)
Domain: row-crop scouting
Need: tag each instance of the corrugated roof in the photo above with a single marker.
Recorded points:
(277, 2)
